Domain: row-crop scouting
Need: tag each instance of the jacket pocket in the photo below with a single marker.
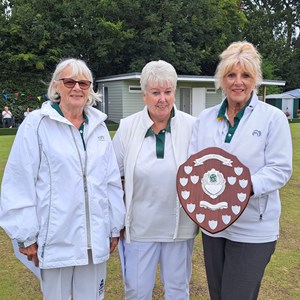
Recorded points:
(262, 203)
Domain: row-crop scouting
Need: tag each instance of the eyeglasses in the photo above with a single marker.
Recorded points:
(70, 83)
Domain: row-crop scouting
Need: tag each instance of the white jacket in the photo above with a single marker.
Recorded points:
(56, 193)
(127, 143)
(262, 142)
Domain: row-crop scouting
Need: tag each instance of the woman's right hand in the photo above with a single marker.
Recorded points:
(31, 253)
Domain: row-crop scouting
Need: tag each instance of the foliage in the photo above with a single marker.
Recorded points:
(290, 67)
(188, 34)
(274, 28)
(120, 36)
(22, 90)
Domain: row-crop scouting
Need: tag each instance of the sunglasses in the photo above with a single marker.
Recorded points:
(70, 83)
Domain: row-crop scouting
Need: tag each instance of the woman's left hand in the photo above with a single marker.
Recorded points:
(31, 253)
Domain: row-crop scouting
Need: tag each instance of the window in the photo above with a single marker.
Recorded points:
(135, 89)
(211, 90)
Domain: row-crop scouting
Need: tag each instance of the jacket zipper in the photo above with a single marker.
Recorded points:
(83, 170)
(261, 213)
(50, 202)
(48, 220)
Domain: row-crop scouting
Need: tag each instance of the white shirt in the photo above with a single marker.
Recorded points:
(128, 142)
(6, 114)
(154, 198)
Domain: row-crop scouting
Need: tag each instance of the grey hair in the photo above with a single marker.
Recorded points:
(243, 53)
(79, 67)
(158, 72)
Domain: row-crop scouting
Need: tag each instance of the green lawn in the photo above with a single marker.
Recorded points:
(281, 280)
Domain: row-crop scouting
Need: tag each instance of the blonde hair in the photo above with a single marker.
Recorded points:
(158, 72)
(244, 54)
(79, 67)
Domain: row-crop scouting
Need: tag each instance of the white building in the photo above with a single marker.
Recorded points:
(122, 94)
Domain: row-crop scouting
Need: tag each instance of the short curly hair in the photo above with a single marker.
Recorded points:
(158, 72)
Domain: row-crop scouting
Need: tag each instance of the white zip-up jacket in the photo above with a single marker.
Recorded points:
(262, 142)
(59, 195)
(128, 141)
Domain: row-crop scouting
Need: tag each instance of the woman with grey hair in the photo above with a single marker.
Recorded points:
(150, 146)
(61, 196)
(258, 134)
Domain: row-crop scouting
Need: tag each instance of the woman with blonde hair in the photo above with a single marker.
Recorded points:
(258, 134)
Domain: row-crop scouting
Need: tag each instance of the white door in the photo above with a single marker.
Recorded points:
(287, 107)
(185, 100)
(198, 101)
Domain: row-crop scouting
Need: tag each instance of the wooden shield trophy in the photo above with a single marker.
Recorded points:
(214, 188)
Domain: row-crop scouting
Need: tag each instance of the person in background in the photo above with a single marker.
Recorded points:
(258, 134)
(150, 145)
(7, 117)
(61, 195)
(27, 111)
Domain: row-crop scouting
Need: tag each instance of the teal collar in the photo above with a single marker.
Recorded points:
(55, 105)
(168, 128)
(237, 118)
(160, 137)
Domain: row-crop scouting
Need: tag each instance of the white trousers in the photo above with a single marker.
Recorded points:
(140, 265)
(79, 282)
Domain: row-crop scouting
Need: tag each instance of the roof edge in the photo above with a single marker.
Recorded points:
(181, 78)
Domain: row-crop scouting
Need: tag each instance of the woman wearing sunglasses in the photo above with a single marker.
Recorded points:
(62, 198)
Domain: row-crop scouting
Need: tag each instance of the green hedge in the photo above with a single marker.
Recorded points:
(111, 127)
(8, 131)
(13, 131)
(294, 120)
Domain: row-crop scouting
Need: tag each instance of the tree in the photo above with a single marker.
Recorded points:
(273, 27)
(35, 35)
(290, 67)
(188, 34)
(40, 33)
(120, 36)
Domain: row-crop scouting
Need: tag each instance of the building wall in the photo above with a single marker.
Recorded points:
(296, 108)
(114, 101)
(123, 102)
(132, 100)
(206, 91)
(275, 102)
(213, 99)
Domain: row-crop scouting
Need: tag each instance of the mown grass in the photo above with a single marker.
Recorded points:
(282, 276)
